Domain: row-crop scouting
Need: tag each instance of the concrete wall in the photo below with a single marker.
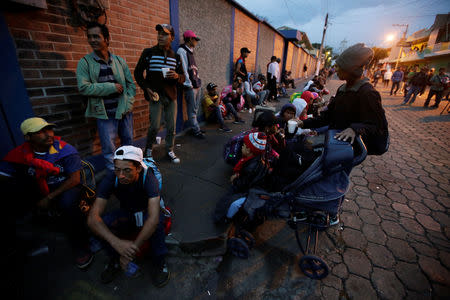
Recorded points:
(49, 47)
(245, 35)
(265, 48)
(213, 51)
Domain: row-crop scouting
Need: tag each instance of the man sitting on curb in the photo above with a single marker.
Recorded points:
(44, 173)
(213, 107)
(137, 190)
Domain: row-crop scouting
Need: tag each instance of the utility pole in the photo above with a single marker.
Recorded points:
(401, 42)
(321, 45)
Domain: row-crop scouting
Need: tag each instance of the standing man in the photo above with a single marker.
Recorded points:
(44, 173)
(107, 82)
(137, 220)
(192, 84)
(437, 87)
(160, 89)
(272, 72)
(305, 70)
(418, 82)
(396, 78)
(240, 70)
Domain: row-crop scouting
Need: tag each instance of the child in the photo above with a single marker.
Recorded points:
(251, 171)
(213, 107)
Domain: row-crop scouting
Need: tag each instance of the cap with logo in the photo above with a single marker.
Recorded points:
(190, 34)
(130, 153)
(211, 85)
(167, 28)
(35, 124)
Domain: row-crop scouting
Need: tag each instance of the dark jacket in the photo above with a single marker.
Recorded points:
(253, 174)
(358, 107)
(152, 60)
(419, 79)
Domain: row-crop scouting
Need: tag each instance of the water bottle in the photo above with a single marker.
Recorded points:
(132, 269)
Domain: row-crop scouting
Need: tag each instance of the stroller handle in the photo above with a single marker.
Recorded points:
(360, 151)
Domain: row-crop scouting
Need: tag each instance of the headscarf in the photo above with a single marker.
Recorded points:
(300, 105)
(307, 95)
(354, 59)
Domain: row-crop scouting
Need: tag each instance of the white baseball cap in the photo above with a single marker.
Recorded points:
(130, 153)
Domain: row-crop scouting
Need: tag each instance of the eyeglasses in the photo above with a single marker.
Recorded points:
(126, 171)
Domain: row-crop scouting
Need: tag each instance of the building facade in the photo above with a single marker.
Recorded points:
(43, 40)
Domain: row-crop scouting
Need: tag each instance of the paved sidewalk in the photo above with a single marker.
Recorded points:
(392, 243)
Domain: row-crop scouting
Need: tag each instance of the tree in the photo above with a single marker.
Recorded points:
(378, 54)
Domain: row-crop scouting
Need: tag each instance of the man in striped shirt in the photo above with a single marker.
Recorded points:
(163, 71)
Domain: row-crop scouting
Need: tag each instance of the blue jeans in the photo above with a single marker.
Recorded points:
(413, 91)
(192, 97)
(216, 115)
(123, 224)
(108, 131)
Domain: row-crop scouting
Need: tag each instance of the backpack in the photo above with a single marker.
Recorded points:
(232, 149)
(88, 186)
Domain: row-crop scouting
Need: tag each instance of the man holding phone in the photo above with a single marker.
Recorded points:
(163, 71)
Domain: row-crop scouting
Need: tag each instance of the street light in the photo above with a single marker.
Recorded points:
(390, 38)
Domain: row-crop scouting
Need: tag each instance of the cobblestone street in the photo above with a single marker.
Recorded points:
(394, 240)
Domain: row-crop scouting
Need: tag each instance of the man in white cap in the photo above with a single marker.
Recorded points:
(44, 173)
(192, 83)
(138, 219)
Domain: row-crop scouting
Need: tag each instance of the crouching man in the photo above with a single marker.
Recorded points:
(138, 219)
(44, 173)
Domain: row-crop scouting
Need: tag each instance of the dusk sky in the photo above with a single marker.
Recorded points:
(366, 21)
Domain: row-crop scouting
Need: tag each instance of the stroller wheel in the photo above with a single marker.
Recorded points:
(238, 247)
(247, 237)
(313, 267)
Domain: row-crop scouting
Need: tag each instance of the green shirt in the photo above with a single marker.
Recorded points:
(88, 70)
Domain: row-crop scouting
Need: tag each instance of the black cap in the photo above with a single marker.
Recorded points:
(166, 28)
(210, 86)
(245, 50)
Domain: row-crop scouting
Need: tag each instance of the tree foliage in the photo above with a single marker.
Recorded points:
(379, 54)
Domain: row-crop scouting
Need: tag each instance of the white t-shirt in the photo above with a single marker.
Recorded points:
(274, 69)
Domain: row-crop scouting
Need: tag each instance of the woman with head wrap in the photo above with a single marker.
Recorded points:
(356, 109)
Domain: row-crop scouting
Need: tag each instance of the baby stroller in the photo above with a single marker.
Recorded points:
(313, 199)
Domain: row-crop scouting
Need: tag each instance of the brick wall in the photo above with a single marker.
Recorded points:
(290, 56)
(295, 63)
(245, 35)
(278, 48)
(48, 50)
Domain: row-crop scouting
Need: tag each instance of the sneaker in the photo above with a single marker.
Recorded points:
(199, 135)
(112, 270)
(148, 153)
(250, 110)
(84, 259)
(334, 220)
(301, 216)
(161, 276)
(173, 157)
(239, 121)
(225, 129)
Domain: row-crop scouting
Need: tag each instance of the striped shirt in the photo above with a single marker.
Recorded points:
(156, 63)
(106, 75)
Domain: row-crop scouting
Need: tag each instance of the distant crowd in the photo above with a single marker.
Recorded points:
(413, 81)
